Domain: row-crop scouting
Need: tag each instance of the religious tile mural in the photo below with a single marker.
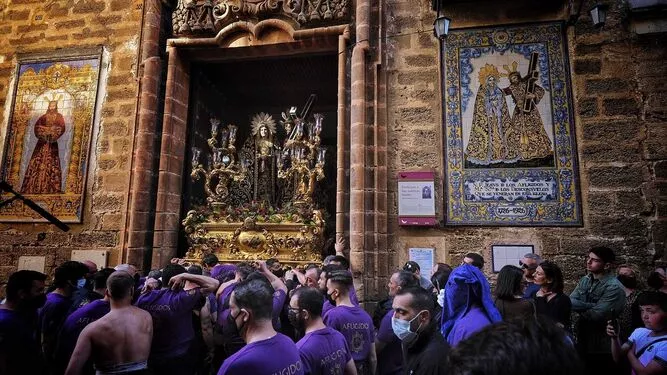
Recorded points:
(510, 155)
(47, 150)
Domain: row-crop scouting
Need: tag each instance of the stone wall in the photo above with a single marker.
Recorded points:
(36, 26)
(621, 129)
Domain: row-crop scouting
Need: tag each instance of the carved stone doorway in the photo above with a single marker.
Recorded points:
(231, 64)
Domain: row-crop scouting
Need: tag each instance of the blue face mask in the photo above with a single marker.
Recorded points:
(80, 283)
(402, 330)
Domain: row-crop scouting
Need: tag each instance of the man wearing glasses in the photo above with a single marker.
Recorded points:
(597, 298)
(529, 264)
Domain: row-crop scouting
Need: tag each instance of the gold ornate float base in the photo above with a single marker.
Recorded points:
(291, 243)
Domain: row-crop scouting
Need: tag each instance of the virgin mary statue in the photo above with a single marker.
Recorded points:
(490, 121)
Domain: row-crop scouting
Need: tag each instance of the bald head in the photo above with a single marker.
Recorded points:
(120, 285)
(92, 267)
(127, 268)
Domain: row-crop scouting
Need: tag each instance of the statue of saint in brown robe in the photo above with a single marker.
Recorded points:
(44, 175)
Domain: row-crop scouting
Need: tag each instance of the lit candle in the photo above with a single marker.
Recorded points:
(318, 123)
(195, 156)
(225, 134)
(232, 134)
(321, 155)
(214, 125)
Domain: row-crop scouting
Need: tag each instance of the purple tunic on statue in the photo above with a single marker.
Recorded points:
(277, 355)
(171, 310)
(357, 327)
(324, 351)
(390, 359)
(474, 320)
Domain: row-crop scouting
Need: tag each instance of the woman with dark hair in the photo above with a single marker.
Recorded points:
(509, 297)
(550, 301)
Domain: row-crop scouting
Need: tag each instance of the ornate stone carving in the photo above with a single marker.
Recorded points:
(191, 17)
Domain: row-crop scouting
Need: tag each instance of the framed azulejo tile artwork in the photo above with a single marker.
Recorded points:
(510, 153)
(49, 134)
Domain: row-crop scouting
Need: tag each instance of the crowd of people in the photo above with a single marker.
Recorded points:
(265, 318)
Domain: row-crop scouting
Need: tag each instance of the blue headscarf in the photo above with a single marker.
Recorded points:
(466, 286)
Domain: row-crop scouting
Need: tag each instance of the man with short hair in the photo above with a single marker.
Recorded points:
(52, 315)
(120, 341)
(323, 350)
(352, 321)
(597, 298)
(80, 318)
(19, 351)
(413, 323)
(208, 262)
(267, 351)
(516, 347)
(171, 309)
(529, 264)
(387, 344)
(475, 259)
(98, 287)
(413, 267)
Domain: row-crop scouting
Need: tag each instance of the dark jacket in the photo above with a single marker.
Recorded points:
(594, 300)
(428, 354)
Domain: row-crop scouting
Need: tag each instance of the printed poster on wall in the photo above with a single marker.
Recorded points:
(510, 155)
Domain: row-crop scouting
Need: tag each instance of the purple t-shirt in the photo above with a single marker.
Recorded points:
(390, 359)
(50, 319)
(74, 324)
(324, 351)
(18, 345)
(357, 327)
(469, 323)
(279, 297)
(277, 355)
(223, 310)
(172, 320)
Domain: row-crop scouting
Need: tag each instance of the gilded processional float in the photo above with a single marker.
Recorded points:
(259, 200)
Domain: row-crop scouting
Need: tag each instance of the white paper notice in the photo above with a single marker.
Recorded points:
(424, 257)
(416, 198)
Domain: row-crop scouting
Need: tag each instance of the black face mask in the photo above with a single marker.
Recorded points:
(279, 273)
(331, 300)
(294, 320)
(629, 282)
(654, 280)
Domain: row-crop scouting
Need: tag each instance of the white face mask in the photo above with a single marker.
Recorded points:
(402, 330)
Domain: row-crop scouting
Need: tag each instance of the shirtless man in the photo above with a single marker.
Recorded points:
(119, 342)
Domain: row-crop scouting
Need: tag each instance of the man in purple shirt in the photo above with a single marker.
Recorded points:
(19, 351)
(266, 352)
(322, 284)
(72, 328)
(387, 344)
(85, 296)
(323, 350)
(80, 318)
(352, 321)
(171, 309)
(52, 315)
